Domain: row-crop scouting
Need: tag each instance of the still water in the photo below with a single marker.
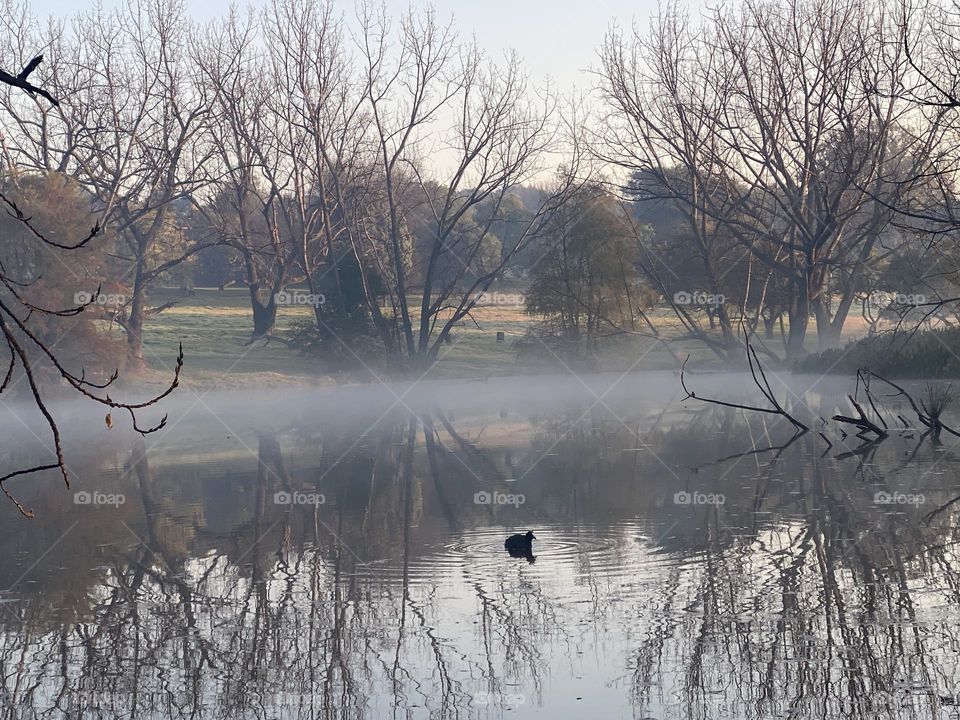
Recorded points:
(339, 554)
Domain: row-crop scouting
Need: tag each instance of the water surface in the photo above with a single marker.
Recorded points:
(339, 554)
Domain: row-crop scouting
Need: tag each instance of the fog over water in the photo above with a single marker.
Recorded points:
(250, 409)
(338, 552)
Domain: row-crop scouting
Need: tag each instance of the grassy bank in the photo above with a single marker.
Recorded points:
(215, 325)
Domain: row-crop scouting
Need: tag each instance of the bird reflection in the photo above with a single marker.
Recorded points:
(524, 552)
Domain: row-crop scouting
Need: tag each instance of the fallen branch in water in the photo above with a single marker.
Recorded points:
(862, 422)
(760, 380)
(863, 377)
(924, 414)
(871, 432)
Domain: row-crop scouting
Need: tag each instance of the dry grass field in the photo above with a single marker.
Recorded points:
(214, 327)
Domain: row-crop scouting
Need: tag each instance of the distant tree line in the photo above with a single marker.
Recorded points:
(765, 169)
(794, 153)
(379, 163)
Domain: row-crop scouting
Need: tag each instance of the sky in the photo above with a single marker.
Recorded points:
(555, 38)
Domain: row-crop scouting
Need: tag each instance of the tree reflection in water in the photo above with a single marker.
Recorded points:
(334, 577)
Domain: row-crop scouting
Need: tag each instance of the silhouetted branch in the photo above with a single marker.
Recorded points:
(862, 422)
(760, 380)
(29, 348)
(923, 416)
(20, 80)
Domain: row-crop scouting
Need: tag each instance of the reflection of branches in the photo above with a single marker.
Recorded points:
(777, 451)
(469, 448)
(864, 451)
(799, 599)
(928, 518)
(435, 452)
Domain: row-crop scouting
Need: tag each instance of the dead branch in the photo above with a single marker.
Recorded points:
(150, 312)
(20, 80)
(30, 349)
(864, 378)
(760, 380)
(925, 419)
(862, 422)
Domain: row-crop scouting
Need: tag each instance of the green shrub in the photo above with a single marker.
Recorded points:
(928, 354)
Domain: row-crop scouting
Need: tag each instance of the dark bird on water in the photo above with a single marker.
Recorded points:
(520, 542)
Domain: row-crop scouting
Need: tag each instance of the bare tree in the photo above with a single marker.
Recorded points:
(245, 206)
(318, 133)
(498, 137)
(28, 350)
(766, 122)
(126, 127)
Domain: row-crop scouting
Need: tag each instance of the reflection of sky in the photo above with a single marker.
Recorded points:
(630, 591)
(584, 635)
(581, 624)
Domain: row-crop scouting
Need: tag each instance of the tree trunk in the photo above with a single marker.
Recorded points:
(264, 314)
(821, 313)
(134, 323)
(397, 247)
(830, 333)
(798, 315)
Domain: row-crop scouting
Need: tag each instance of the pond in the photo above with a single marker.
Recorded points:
(339, 553)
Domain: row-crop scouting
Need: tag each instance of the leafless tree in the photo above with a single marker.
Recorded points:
(126, 126)
(28, 349)
(498, 137)
(319, 134)
(244, 206)
(766, 122)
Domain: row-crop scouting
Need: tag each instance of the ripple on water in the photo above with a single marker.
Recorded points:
(621, 553)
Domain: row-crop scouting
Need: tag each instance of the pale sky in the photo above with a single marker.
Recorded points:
(558, 38)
